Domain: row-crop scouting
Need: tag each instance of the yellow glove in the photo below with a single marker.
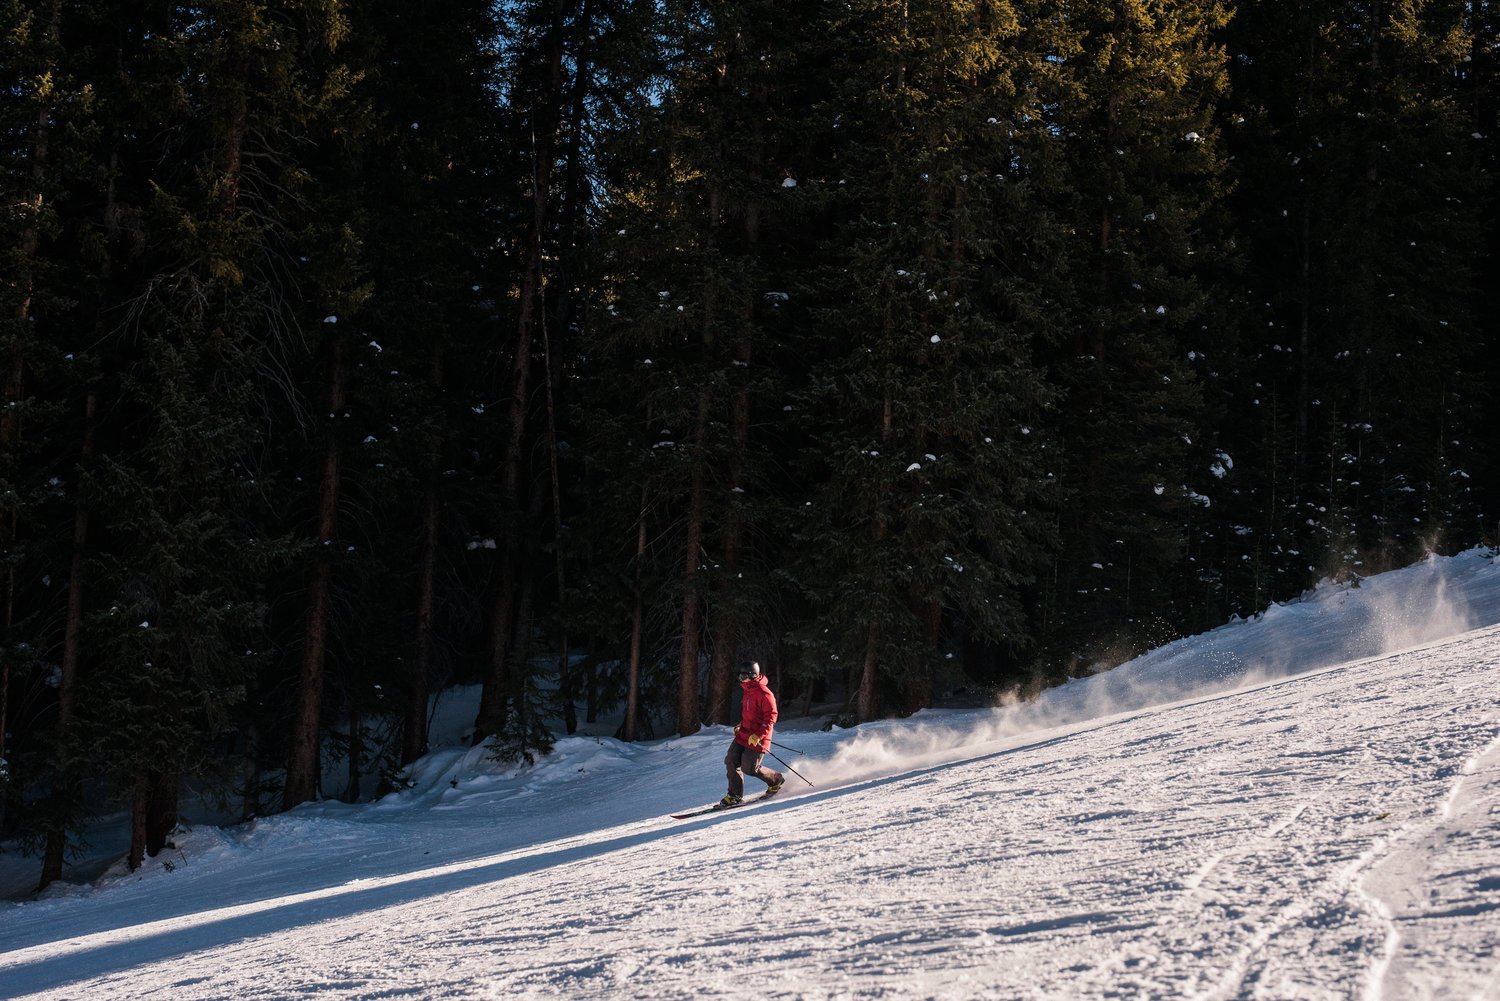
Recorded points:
(755, 740)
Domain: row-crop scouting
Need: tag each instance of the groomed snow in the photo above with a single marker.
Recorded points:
(1303, 805)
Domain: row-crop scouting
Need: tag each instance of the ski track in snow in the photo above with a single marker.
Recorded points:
(1441, 877)
(1332, 835)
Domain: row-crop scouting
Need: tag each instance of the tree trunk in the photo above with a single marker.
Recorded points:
(67, 686)
(576, 183)
(305, 766)
(15, 377)
(519, 641)
(356, 754)
(510, 633)
(865, 701)
(692, 604)
(414, 736)
(729, 628)
(494, 696)
(553, 366)
(250, 774)
(525, 603)
(591, 682)
(692, 598)
(492, 702)
(138, 809)
(916, 691)
(1304, 359)
(637, 625)
(161, 811)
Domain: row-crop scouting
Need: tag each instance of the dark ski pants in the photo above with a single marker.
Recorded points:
(742, 761)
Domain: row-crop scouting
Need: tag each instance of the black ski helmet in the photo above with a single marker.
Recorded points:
(749, 669)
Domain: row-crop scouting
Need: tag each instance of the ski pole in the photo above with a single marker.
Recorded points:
(784, 747)
(789, 768)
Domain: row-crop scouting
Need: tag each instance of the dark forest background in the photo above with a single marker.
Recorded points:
(352, 349)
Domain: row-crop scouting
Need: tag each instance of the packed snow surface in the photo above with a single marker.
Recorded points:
(1302, 805)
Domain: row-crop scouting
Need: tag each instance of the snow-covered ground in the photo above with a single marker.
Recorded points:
(1302, 805)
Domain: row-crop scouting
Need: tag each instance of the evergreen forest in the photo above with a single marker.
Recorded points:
(577, 349)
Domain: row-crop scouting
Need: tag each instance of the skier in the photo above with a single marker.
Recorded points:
(752, 738)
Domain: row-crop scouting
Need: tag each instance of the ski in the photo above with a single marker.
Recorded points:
(716, 808)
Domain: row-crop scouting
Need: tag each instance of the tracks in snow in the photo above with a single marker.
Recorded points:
(1444, 868)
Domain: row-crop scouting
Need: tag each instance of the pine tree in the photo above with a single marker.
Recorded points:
(1131, 102)
(29, 178)
(924, 517)
(176, 644)
(704, 224)
(92, 247)
(174, 235)
(1477, 87)
(334, 292)
(422, 185)
(1354, 134)
(55, 262)
(536, 82)
(544, 61)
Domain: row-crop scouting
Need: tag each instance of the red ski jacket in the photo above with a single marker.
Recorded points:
(757, 713)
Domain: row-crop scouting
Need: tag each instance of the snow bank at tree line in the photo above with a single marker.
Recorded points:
(1332, 624)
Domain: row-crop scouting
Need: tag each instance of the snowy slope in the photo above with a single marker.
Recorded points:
(1296, 825)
